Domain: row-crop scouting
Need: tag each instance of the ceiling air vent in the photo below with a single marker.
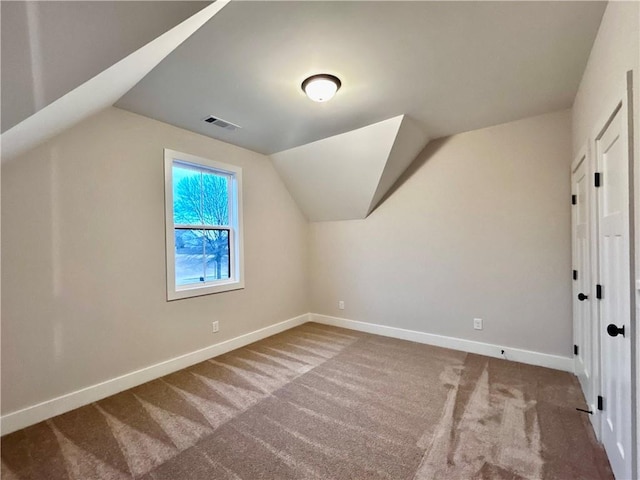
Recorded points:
(218, 122)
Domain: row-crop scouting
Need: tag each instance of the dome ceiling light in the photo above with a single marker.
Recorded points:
(321, 87)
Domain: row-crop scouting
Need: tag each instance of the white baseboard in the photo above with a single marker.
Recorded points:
(517, 355)
(30, 415)
(56, 406)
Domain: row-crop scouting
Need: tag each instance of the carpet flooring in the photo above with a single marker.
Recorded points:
(319, 402)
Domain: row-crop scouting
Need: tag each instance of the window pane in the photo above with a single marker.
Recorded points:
(187, 196)
(218, 266)
(215, 199)
(189, 257)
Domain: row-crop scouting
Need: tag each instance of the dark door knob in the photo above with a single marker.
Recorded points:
(614, 330)
(582, 297)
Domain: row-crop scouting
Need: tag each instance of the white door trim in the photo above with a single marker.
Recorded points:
(577, 159)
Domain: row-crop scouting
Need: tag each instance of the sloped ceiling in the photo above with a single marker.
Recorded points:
(50, 48)
(100, 91)
(344, 177)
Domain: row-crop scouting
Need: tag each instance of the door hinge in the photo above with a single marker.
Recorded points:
(597, 179)
(600, 403)
(574, 200)
(575, 274)
(575, 349)
(599, 292)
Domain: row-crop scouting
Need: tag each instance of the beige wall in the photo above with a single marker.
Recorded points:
(479, 228)
(83, 258)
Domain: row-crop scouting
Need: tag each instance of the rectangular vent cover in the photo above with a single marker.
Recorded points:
(218, 122)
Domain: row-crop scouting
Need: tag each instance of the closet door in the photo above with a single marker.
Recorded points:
(614, 303)
(585, 351)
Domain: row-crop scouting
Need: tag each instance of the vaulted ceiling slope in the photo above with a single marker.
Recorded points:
(345, 176)
(100, 91)
(451, 66)
(409, 71)
(50, 48)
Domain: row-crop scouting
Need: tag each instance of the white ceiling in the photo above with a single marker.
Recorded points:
(451, 66)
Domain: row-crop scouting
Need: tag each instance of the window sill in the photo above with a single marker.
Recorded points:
(197, 291)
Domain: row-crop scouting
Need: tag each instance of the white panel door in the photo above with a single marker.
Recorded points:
(612, 161)
(583, 327)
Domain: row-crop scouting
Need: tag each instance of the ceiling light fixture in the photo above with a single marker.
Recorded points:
(321, 87)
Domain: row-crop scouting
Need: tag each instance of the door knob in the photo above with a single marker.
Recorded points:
(614, 330)
(582, 297)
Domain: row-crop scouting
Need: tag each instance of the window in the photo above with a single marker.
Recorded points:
(203, 207)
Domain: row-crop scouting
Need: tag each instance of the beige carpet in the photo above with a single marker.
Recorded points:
(319, 402)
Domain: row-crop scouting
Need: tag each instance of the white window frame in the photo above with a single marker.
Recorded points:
(236, 251)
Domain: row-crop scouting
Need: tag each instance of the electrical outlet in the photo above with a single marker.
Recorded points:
(341, 304)
(477, 323)
(215, 326)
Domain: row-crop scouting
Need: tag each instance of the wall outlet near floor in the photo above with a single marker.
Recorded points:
(215, 327)
(477, 323)
(341, 304)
